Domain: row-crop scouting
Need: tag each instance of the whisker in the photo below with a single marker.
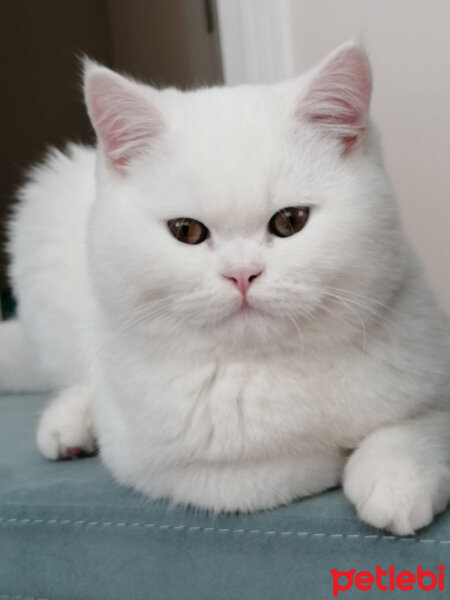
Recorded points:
(355, 312)
(366, 307)
(296, 325)
(359, 296)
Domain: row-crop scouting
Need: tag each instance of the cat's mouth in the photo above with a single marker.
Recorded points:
(246, 308)
(244, 304)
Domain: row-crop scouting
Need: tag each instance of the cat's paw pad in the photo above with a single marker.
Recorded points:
(65, 429)
(401, 497)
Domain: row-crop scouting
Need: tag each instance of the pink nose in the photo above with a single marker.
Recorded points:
(242, 277)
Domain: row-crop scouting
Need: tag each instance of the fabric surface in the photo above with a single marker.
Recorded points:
(69, 532)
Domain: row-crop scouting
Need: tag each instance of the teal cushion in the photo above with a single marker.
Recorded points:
(69, 532)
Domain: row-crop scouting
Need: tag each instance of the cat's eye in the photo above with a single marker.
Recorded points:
(188, 231)
(288, 221)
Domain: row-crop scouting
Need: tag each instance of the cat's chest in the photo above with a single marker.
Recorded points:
(255, 407)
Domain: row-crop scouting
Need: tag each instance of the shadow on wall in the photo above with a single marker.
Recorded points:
(167, 43)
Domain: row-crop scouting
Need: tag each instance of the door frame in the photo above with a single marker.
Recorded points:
(255, 40)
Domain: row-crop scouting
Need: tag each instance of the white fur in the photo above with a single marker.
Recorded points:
(68, 425)
(19, 369)
(192, 400)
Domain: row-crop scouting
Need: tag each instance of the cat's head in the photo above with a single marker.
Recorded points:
(247, 214)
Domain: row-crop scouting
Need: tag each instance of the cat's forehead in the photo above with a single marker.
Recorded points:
(227, 151)
(244, 113)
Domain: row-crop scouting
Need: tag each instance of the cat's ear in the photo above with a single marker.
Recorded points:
(338, 95)
(125, 117)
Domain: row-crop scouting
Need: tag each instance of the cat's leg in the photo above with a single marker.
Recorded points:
(65, 429)
(399, 476)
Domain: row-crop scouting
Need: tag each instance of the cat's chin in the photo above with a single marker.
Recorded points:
(248, 326)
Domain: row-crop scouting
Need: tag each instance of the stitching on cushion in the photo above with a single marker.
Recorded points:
(138, 524)
(5, 597)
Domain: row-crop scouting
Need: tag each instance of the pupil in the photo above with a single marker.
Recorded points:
(184, 228)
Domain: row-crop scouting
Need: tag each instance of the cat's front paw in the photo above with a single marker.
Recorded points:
(399, 495)
(65, 429)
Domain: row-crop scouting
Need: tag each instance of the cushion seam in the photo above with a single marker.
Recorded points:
(268, 532)
(18, 597)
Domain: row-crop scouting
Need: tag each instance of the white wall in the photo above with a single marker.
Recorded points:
(255, 40)
(409, 45)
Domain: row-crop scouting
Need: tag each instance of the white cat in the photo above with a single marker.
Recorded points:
(224, 294)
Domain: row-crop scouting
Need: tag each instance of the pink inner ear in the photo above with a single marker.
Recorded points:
(124, 118)
(339, 95)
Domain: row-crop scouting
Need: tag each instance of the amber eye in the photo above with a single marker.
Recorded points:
(288, 221)
(188, 231)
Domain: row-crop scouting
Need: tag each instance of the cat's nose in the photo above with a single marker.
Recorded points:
(242, 277)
